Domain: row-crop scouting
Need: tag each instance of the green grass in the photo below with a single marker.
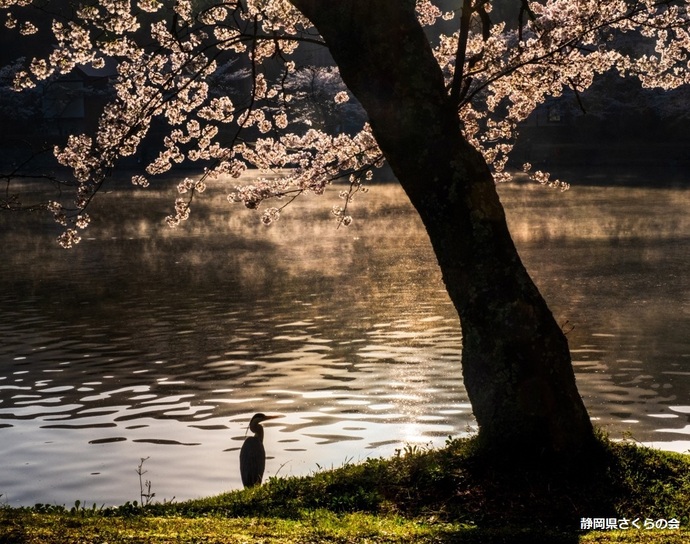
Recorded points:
(443, 495)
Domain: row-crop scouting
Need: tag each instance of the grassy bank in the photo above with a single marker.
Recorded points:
(444, 495)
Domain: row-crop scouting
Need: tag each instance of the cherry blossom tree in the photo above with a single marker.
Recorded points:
(442, 109)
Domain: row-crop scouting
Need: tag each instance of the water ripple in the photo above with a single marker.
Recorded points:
(351, 337)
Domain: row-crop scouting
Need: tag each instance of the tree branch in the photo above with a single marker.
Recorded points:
(461, 82)
(461, 52)
(524, 8)
(577, 95)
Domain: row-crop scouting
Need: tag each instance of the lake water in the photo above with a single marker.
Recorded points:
(149, 342)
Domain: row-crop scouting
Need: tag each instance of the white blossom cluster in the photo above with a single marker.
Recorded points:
(316, 160)
(278, 16)
(428, 13)
(563, 44)
(170, 56)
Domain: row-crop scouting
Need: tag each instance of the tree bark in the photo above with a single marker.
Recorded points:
(515, 358)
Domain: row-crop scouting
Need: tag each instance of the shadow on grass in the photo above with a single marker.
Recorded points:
(454, 484)
(453, 494)
(509, 536)
(458, 485)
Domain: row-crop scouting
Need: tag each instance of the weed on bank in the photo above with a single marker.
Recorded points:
(452, 494)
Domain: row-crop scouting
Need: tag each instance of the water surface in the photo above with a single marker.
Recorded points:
(150, 342)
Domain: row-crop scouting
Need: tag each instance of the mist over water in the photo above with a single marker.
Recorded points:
(150, 342)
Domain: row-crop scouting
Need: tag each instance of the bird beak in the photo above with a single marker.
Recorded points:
(272, 417)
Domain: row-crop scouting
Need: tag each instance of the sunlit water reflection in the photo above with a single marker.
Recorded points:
(147, 342)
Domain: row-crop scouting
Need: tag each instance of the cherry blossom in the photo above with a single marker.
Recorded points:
(224, 81)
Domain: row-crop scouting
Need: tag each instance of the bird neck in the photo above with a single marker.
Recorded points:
(258, 431)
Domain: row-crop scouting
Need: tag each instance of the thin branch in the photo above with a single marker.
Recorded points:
(484, 18)
(577, 95)
(524, 8)
(461, 52)
(558, 48)
(461, 82)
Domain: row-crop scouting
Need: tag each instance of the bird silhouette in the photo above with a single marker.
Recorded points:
(253, 454)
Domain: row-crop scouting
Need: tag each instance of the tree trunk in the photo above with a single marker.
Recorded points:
(516, 362)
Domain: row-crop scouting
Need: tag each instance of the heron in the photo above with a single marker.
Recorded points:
(253, 454)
